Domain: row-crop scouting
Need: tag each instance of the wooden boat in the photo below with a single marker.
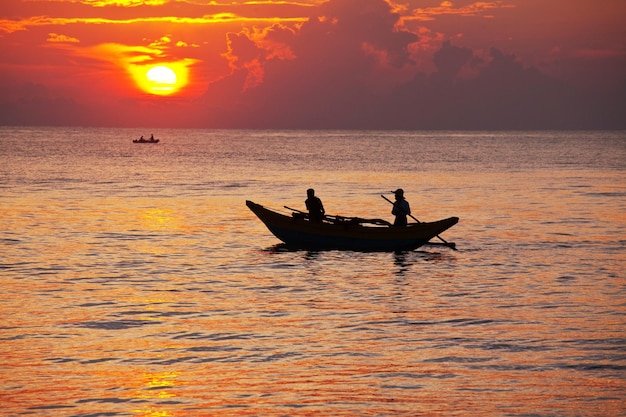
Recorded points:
(145, 140)
(349, 233)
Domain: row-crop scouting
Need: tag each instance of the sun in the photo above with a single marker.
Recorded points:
(161, 79)
(161, 75)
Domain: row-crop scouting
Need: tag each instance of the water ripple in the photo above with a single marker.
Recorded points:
(138, 284)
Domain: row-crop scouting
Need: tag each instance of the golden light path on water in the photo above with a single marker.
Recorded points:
(138, 283)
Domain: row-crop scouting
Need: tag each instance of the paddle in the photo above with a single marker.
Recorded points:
(451, 245)
(296, 210)
(342, 219)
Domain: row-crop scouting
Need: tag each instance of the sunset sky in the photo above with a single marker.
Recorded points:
(370, 64)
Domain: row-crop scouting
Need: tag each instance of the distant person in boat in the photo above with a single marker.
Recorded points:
(401, 208)
(315, 206)
(151, 137)
(141, 138)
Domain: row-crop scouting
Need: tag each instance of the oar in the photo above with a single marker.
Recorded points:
(451, 245)
(305, 213)
(296, 210)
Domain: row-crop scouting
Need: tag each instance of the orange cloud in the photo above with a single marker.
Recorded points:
(183, 44)
(54, 37)
(121, 54)
(124, 3)
(136, 61)
(11, 26)
(257, 46)
(447, 8)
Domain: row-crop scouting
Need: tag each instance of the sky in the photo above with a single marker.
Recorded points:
(313, 64)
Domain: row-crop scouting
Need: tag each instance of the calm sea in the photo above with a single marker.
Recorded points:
(137, 283)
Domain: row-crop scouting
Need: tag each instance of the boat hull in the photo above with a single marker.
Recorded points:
(297, 231)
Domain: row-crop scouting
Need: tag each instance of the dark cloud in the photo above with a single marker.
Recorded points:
(450, 59)
(503, 95)
(339, 56)
(33, 104)
(328, 82)
(371, 22)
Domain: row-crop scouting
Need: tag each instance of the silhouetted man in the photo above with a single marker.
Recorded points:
(401, 208)
(315, 206)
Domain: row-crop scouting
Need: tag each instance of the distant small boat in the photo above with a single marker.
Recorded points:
(348, 233)
(142, 140)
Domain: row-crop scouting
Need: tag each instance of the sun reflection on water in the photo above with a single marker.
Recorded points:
(152, 413)
(156, 386)
(159, 219)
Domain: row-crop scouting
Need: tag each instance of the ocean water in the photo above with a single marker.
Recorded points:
(137, 283)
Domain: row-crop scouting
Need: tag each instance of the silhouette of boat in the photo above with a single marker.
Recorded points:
(348, 233)
(142, 140)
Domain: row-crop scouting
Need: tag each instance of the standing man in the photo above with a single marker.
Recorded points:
(315, 206)
(401, 208)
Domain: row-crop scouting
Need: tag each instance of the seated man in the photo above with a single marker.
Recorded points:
(315, 206)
